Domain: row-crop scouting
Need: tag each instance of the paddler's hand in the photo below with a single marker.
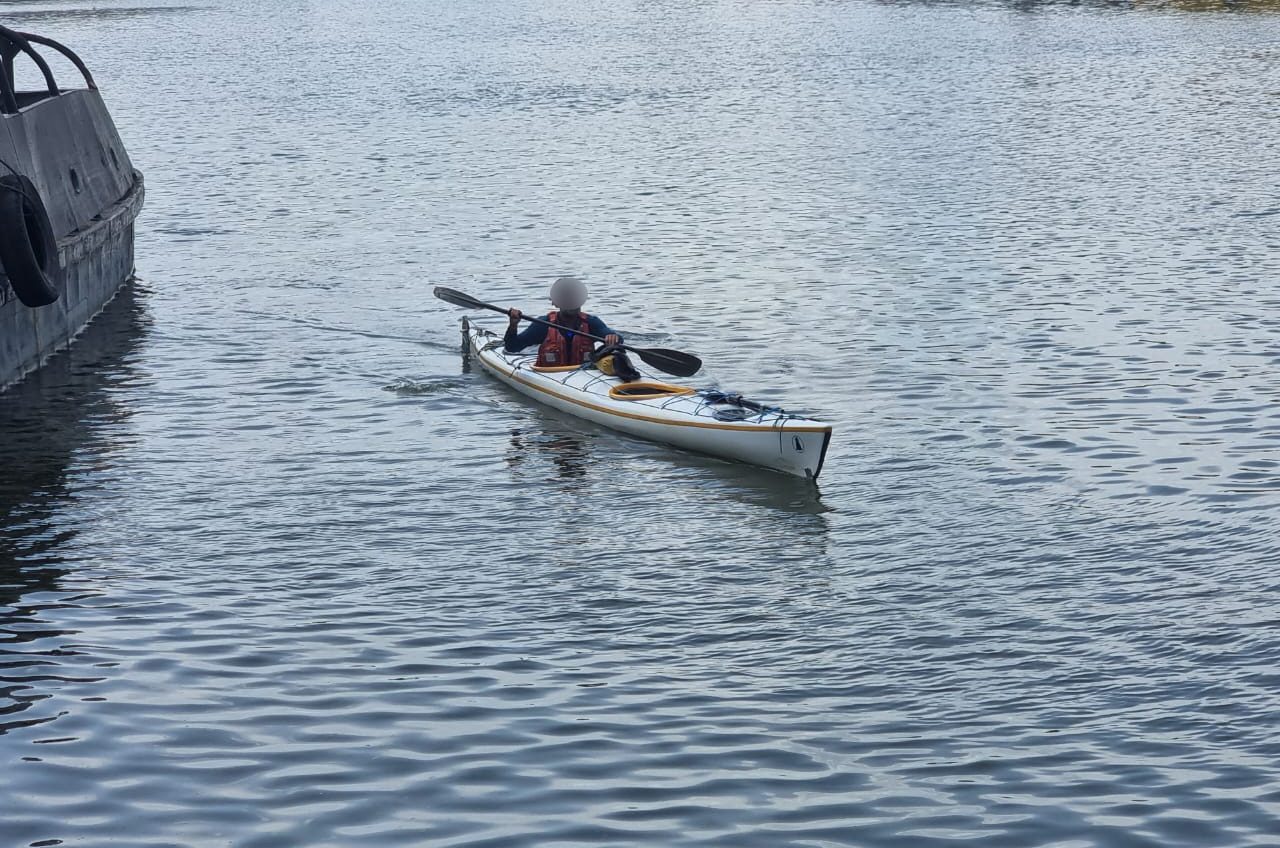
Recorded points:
(515, 315)
(612, 339)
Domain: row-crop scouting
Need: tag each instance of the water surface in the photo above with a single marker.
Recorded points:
(278, 568)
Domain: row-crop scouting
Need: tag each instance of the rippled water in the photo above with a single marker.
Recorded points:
(277, 568)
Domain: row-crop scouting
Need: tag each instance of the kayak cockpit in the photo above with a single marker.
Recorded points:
(708, 421)
(647, 390)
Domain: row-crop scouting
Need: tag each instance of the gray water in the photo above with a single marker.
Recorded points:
(278, 569)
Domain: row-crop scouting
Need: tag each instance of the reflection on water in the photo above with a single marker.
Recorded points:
(1022, 262)
(574, 447)
(567, 452)
(31, 18)
(60, 418)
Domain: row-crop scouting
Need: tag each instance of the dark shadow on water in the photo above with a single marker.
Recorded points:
(764, 488)
(60, 417)
(24, 18)
(47, 421)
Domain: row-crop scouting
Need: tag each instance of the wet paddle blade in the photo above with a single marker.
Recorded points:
(466, 301)
(673, 362)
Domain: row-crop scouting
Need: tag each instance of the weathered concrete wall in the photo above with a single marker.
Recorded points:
(69, 148)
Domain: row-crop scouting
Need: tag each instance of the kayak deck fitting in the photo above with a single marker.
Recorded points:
(702, 420)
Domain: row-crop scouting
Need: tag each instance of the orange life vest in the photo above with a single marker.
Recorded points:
(557, 350)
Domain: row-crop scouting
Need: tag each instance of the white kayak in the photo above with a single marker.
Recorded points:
(706, 421)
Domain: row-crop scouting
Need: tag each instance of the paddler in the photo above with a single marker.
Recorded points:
(570, 347)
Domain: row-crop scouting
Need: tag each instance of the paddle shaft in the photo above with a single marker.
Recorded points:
(541, 321)
(547, 323)
(672, 361)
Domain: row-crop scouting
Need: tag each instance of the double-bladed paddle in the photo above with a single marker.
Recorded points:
(671, 361)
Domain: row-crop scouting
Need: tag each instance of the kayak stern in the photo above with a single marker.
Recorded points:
(708, 422)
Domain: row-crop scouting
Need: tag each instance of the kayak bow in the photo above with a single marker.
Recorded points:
(709, 422)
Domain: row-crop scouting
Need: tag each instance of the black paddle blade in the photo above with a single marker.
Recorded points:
(671, 361)
(457, 298)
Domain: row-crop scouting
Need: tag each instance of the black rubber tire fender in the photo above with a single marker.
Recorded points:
(28, 247)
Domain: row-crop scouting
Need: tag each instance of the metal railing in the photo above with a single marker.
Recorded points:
(13, 43)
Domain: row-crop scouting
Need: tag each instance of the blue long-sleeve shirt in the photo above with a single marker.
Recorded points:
(536, 334)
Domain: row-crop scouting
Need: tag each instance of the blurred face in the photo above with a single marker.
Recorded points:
(568, 294)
